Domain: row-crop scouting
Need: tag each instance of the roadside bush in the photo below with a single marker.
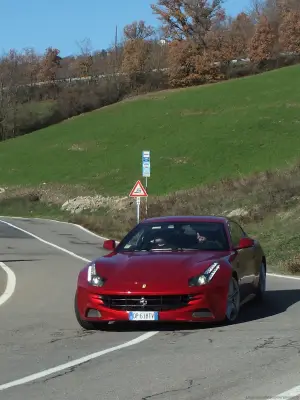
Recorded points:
(292, 266)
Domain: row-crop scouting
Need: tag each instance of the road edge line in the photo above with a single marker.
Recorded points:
(289, 394)
(45, 241)
(10, 284)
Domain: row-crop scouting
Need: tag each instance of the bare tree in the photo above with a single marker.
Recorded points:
(3, 99)
(12, 76)
(242, 30)
(159, 54)
(256, 10)
(31, 63)
(85, 61)
(138, 30)
(135, 61)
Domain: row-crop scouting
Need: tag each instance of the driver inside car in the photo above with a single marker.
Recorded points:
(158, 241)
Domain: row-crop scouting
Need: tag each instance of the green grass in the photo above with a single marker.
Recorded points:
(280, 236)
(196, 136)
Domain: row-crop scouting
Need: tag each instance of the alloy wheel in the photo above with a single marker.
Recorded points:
(233, 300)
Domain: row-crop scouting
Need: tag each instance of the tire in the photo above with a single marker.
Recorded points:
(87, 325)
(261, 287)
(233, 302)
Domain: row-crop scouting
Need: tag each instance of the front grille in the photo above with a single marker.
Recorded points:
(146, 303)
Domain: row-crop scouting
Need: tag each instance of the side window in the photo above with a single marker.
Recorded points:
(236, 233)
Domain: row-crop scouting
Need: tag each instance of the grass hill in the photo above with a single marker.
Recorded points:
(196, 136)
(214, 149)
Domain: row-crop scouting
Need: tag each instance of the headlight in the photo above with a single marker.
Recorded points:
(206, 277)
(93, 278)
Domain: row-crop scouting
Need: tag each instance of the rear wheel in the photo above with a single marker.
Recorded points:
(261, 287)
(233, 301)
(87, 325)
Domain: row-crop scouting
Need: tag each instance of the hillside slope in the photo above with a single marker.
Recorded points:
(196, 136)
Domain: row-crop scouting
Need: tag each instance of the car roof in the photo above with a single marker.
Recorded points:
(186, 218)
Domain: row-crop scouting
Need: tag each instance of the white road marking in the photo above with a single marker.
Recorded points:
(45, 241)
(78, 361)
(90, 232)
(75, 363)
(289, 394)
(10, 285)
(284, 276)
(58, 222)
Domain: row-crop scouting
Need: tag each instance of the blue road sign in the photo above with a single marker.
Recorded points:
(146, 164)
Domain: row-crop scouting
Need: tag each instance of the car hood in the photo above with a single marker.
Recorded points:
(157, 270)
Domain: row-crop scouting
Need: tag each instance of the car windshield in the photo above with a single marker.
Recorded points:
(177, 236)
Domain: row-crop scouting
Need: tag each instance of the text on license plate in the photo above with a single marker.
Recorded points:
(143, 315)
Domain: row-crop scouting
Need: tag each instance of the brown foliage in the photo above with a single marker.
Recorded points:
(242, 30)
(50, 65)
(181, 62)
(263, 43)
(188, 67)
(188, 20)
(289, 31)
(138, 30)
(136, 56)
(82, 66)
(221, 46)
(207, 69)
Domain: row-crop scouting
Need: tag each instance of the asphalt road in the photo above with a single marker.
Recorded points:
(257, 358)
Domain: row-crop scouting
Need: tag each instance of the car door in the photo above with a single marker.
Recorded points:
(243, 261)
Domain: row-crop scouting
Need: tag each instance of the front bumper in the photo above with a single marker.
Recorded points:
(207, 305)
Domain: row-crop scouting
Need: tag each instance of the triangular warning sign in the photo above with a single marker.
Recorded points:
(138, 190)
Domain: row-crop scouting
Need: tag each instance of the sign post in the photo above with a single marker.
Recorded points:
(146, 171)
(138, 202)
(138, 191)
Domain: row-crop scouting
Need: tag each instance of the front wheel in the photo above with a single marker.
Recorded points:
(233, 301)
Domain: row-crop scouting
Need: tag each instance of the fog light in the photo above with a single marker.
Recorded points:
(92, 313)
(202, 313)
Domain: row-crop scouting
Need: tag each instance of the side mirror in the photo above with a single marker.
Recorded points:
(109, 245)
(245, 243)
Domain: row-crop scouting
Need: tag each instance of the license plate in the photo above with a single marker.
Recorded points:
(143, 315)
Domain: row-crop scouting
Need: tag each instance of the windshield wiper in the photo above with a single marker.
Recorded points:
(163, 249)
(186, 249)
(176, 249)
(158, 249)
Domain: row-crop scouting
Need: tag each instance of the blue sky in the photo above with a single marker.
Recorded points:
(62, 23)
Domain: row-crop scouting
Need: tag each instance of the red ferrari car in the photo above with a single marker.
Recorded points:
(190, 269)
